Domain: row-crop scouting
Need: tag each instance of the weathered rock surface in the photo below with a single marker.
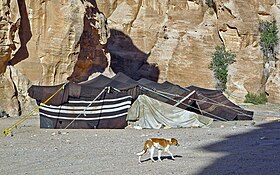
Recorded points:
(51, 41)
(272, 85)
(6, 35)
(48, 41)
(93, 44)
(181, 36)
(14, 96)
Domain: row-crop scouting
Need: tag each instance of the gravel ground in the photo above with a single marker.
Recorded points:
(231, 148)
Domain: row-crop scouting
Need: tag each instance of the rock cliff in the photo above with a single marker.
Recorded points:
(46, 42)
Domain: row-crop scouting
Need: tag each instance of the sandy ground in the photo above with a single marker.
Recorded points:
(231, 148)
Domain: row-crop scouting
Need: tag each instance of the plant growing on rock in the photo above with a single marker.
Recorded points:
(256, 98)
(268, 39)
(221, 59)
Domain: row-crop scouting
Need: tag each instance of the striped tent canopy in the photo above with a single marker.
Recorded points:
(108, 111)
(86, 105)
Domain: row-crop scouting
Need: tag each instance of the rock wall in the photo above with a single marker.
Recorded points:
(181, 36)
(14, 97)
(46, 42)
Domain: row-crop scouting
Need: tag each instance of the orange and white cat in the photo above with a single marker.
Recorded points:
(160, 144)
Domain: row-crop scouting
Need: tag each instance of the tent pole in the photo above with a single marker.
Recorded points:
(179, 102)
(106, 88)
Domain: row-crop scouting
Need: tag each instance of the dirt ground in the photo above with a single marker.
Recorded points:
(226, 148)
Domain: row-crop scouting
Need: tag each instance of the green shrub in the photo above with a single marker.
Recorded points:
(255, 98)
(269, 39)
(219, 65)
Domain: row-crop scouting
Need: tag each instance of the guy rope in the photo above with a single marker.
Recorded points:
(9, 130)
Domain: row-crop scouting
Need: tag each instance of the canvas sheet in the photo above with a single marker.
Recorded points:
(150, 113)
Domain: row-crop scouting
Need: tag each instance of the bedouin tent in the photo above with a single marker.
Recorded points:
(210, 103)
(85, 105)
(73, 106)
(69, 108)
(150, 113)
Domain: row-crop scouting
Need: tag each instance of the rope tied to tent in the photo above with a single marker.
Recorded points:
(15, 125)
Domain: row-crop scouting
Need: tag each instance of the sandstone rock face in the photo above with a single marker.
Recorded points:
(272, 85)
(49, 41)
(15, 100)
(55, 27)
(273, 82)
(238, 30)
(9, 102)
(181, 36)
(6, 35)
(93, 44)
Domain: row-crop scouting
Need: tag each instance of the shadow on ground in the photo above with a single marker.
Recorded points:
(253, 153)
(162, 158)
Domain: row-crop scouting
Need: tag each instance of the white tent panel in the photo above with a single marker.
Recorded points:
(150, 113)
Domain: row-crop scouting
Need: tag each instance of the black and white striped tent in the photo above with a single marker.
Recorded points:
(107, 113)
(82, 106)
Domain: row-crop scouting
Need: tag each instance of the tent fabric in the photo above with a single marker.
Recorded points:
(107, 112)
(120, 81)
(215, 103)
(165, 92)
(125, 79)
(42, 93)
(150, 113)
(210, 103)
(88, 89)
(101, 81)
(132, 88)
(71, 101)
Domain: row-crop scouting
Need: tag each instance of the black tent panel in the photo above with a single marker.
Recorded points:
(109, 113)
